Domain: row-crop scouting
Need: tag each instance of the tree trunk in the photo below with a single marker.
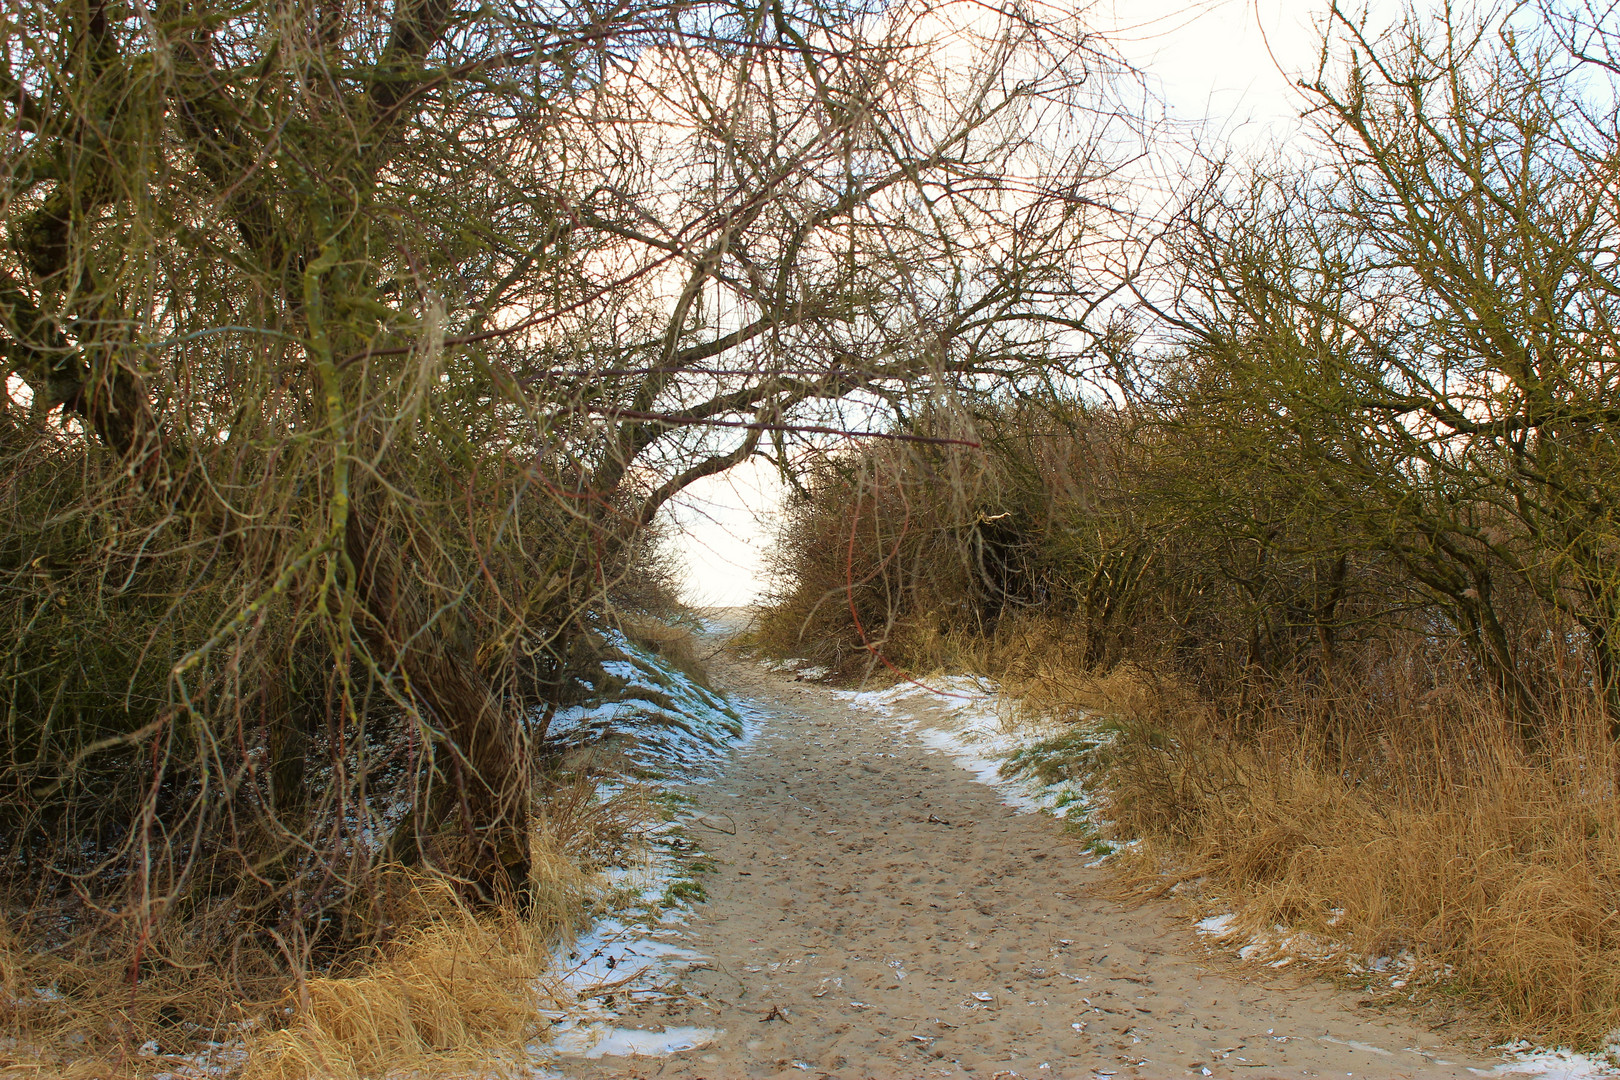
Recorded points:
(489, 792)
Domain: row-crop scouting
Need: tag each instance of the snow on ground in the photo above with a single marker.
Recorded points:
(631, 956)
(217, 1061)
(1281, 946)
(618, 962)
(662, 717)
(1553, 1064)
(969, 720)
(680, 732)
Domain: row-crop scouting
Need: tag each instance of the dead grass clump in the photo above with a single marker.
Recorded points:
(80, 1009)
(462, 990)
(930, 642)
(1040, 660)
(442, 999)
(581, 829)
(1495, 867)
(447, 991)
(451, 991)
(1041, 667)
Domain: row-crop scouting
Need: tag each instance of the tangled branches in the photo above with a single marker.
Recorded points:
(353, 349)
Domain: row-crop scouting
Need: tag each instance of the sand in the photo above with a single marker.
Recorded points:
(876, 913)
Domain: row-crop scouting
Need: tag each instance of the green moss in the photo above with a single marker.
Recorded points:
(1079, 825)
(685, 891)
(1076, 755)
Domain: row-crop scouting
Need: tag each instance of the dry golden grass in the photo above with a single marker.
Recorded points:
(462, 992)
(466, 991)
(452, 993)
(1431, 830)
(455, 989)
(1399, 812)
(75, 1011)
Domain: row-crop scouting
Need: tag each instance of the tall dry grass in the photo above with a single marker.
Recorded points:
(450, 989)
(464, 991)
(457, 995)
(1394, 810)
(1402, 816)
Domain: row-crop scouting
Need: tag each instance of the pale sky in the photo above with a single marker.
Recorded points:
(1231, 63)
(723, 526)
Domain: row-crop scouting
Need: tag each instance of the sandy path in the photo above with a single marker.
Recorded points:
(879, 914)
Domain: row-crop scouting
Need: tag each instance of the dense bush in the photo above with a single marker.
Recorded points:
(351, 353)
(1367, 397)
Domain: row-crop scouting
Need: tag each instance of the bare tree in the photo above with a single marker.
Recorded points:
(353, 345)
(1420, 327)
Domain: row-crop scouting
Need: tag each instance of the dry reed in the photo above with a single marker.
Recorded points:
(1428, 829)
(464, 989)
(452, 988)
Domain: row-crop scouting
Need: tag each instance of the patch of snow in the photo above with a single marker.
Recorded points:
(984, 769)
(217, 1059)
(1553, 1064)
(1279, 948)
(592, 1041)
(1356, 1044)
(681, 732)
(621, 959)
(966, 718)
(661, 717)
(615, 958)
